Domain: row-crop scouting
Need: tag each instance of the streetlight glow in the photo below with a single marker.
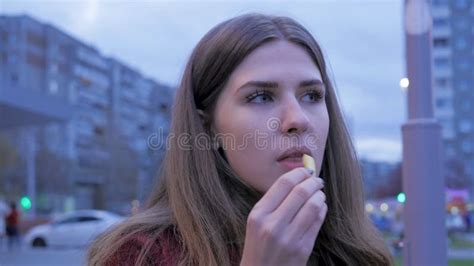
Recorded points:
(404, 83)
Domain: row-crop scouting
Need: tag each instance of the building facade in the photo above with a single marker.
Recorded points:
(99, 150)
(453, 81)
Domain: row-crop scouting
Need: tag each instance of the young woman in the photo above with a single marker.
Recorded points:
(255, 96)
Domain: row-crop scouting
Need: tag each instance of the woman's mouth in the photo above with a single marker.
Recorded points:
(291, 162)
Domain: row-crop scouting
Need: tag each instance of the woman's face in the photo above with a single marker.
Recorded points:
(271, 111)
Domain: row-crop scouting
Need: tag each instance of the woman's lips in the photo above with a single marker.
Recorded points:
(290, 163)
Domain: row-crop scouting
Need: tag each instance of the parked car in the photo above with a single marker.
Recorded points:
(73, 229)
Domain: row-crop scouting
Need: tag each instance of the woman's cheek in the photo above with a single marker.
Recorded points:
(252, 166)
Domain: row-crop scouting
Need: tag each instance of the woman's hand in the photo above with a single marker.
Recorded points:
(283, 226)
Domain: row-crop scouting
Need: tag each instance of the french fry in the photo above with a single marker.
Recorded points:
(309, 163)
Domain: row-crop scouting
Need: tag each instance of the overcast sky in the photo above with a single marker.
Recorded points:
(362, 39)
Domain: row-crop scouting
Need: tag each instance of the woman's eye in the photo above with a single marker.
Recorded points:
(259, 97)
(313, 96)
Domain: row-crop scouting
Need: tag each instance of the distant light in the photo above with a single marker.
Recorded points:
(401, 197)
(404, 83)
(369, 207)
(25, 202)
(384, 207)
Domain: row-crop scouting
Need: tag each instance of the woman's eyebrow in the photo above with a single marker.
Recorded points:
(273, 84)
(311, 82)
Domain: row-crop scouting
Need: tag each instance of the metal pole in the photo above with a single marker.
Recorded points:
(423, 183)
(31, 168)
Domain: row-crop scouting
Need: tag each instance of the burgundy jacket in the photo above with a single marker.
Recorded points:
(164, 252)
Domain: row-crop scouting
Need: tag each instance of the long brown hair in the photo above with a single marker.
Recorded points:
(200, 196)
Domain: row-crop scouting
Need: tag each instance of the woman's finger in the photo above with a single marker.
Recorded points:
(296, 199)
(308, 214)
(280, 189)
(311, 234)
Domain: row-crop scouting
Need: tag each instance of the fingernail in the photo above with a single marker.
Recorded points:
(309, 171)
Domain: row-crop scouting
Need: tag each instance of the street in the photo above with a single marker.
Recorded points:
(40, 257)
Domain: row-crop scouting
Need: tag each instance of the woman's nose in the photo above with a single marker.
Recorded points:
(294, 118)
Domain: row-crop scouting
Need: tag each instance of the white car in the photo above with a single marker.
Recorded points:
(73, 229)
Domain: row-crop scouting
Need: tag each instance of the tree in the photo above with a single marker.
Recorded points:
(122, 170)
(11, 184)
(53, 172)
(393, 185)
(8, 154)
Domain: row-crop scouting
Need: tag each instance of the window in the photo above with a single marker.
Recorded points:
(450, 153)
(13, 39)
(470, 168)
(36, 60)
(440, 22)
(88, 219)
(4, 36)
(461, 23)
(463, 85)
(441, 62)
(461, 4)
(467, 146)
(13, 58)
(68, 220)
(440, 2)
(85, 82)
(53, 68)
(465, 126)
(441, 82)
(463, 64)
(448, 131)
(92, 57)
(465, 106)
(62, 67)
(63, 50)
(461, 43)
(440, 42)
(89, 76)
(36, 39)
(163, 107)
(99, 131)
(14, 78)
(53, 87)
(441, 103)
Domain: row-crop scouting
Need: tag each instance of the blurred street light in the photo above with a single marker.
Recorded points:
(369, 208)
(25, 203)
(401, 197)
(404, 83)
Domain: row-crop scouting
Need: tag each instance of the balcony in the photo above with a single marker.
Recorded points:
(23, 107)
